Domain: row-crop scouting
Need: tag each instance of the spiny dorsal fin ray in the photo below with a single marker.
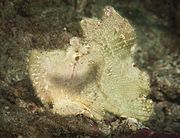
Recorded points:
(112, 31)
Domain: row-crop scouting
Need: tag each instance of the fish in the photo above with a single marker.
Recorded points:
(94, 75)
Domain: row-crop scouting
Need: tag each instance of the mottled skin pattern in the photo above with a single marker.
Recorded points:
(93, 75)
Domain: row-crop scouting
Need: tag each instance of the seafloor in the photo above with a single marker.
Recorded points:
(49, 24)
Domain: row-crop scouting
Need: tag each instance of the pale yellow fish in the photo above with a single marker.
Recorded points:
(94, 74)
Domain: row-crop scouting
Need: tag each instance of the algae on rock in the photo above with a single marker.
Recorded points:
(94, 75)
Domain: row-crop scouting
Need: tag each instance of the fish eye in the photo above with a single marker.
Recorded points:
(77, 58)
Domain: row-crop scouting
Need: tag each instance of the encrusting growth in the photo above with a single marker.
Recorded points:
(94, 75)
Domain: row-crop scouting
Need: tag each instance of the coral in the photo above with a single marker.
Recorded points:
(94, 75)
